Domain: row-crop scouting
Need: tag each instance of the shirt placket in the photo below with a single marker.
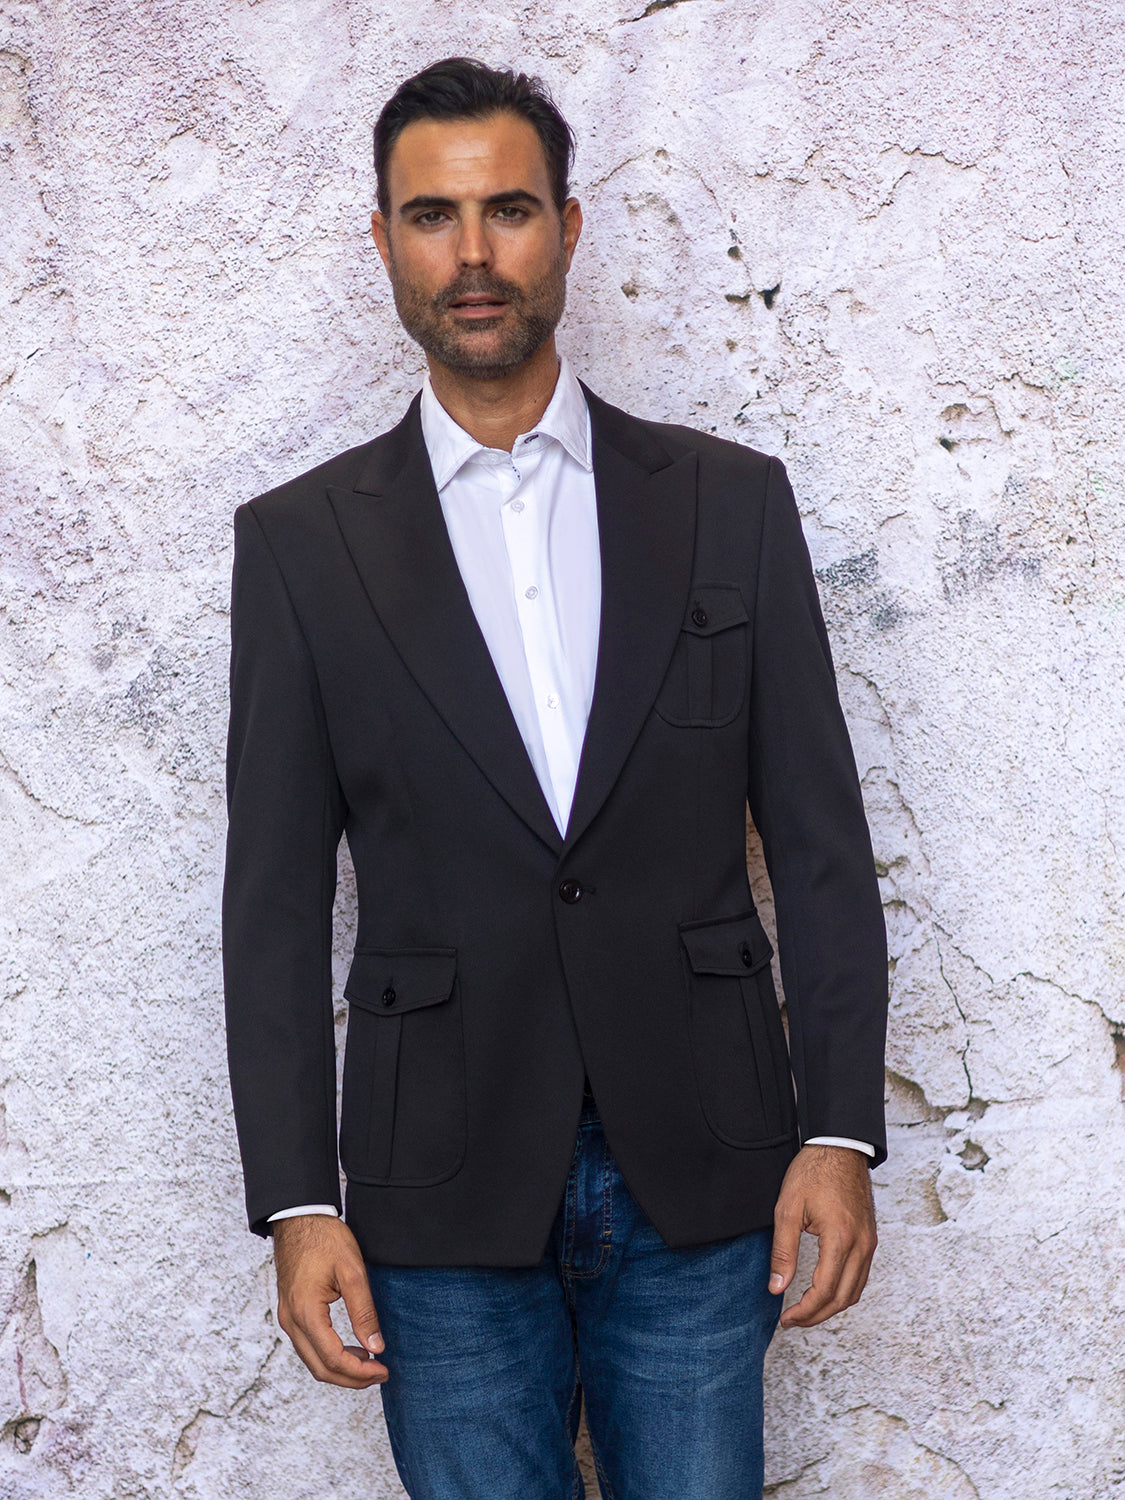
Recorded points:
(525, 517)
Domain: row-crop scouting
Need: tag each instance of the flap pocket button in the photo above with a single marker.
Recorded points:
(389, 997)
(699, 616)
(746, 956)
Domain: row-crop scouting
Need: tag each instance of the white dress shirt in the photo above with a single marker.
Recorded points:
(524, 529)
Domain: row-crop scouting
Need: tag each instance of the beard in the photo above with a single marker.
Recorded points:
(489, 347)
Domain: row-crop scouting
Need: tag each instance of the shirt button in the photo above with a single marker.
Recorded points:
(389, 997)
(517, 506)
(571, 892)
(531, 593)
(552, 700)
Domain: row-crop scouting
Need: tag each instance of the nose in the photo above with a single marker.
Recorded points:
(473, 248)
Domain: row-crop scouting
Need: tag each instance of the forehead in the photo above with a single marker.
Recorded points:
(462, 159)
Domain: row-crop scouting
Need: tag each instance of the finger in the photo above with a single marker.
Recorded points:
(354, 1369)
(843, 1266)
(856, 1272)
(323, 1350)
(351, 1368)
(356, 1290)
(819, 1300)
(786, 1243)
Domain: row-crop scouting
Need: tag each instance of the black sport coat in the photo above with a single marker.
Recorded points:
(497, 961)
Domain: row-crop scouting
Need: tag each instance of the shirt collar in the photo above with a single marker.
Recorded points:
(450, 447)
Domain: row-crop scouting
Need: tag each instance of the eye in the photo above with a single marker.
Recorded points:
(429, 217)
(511, 213)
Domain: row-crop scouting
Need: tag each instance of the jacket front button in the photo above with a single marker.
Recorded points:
(389, 996)
(570, 891)
(699, 616)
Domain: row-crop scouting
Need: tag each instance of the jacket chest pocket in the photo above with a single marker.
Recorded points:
(738, 1043)
(705, 684)
(402, 1119)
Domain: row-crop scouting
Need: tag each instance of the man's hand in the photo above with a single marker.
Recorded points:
(317, 1262)
(827, 1191)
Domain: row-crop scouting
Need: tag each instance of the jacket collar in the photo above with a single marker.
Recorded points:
(646, 533)
(393, 526)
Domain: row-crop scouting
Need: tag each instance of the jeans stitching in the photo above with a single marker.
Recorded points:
(570, 1214)
(594, 1270)
(607, 1195)
(605, 1247)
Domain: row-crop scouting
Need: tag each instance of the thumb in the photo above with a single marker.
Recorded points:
(786, 1243)
(361, 1312)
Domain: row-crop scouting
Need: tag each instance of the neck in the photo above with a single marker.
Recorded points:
(496, 411)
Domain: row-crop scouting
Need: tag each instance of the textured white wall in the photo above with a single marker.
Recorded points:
(929, 193)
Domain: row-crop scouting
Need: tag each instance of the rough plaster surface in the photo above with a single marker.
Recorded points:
(879, 239)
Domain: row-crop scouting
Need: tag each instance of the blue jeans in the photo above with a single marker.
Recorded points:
(488, 1366)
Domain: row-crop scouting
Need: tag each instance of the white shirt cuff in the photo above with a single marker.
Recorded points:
(312, 1208)
(834, 1140)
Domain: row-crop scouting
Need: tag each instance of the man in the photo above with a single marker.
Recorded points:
(533, 656)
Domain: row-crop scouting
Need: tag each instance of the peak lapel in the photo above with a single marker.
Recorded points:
(396, 534)
(646, 528)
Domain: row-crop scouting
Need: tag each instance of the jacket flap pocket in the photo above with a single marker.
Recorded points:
(713, 607)
(389, 981)
(733, 945)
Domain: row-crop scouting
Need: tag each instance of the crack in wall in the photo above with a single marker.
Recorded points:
(925, 1112)
(40, 1377)
(187, 1443)
(874, 1453)
(964, 1054)
(15, 778)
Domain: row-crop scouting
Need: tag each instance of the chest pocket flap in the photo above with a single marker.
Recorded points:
(713, 607)
(705, 685)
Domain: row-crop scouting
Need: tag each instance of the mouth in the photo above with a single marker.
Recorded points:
(478, 305)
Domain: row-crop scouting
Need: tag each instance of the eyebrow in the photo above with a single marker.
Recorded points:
(516, 195)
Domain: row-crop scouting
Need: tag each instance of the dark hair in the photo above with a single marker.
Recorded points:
(460, 88)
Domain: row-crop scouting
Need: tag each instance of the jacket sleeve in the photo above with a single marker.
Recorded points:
(807, 807)
(286, 815)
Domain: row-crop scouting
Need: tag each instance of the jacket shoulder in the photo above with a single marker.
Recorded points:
(719, 457)
(299, 498)
(715, 450)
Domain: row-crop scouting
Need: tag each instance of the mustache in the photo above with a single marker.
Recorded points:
(480, 283)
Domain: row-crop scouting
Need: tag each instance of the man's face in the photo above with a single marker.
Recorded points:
(476, 251)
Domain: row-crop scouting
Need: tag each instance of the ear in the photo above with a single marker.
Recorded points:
(380, 236)
(572, 227)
